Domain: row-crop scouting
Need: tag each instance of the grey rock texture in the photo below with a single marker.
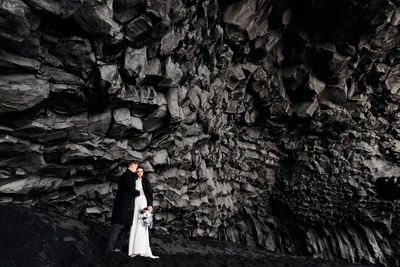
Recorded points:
(261, 122)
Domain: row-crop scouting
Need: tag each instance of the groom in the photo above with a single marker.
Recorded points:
(122, 215)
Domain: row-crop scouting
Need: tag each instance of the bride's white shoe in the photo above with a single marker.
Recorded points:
(150, 256)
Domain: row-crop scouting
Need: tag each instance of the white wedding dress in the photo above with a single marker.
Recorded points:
(139, 235)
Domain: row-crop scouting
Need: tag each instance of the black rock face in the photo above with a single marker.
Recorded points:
(267, 123)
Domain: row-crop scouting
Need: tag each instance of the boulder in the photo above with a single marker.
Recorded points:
(99, 124)
(22, 91)
(16, 20)
(19, 186)
(139, 29)
(112, 79)
(173, 73)
(75, 52)
(135, 62)
(64, 8)
(160, 157)
(173, 105)
(155, 120)
(97, 18)
(30, 47)
(18, 150)
(124, 121)
(240, 14)
(170, 41)
(125, 10)
(159, 9)
(14, 62)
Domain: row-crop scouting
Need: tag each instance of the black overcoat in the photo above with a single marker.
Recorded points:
(125, 198)
(148, 191)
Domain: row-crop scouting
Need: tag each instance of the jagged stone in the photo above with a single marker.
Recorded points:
(173, 104)
(173, 73)
(20, 186)
(138, 29)
(334, 95)
(125, 10)
(22, 91)
(60, 76)
(75, 152)
(177, 11)
(392, 80)
(99, 124)
(155, 120)
(193, 95)
(18, 151)
(10, 61)
(237, 72)
(259, 26)
(125, 121)
(160, 157)
(153, 68)
(170, 41)
(315, 84)
(16, 20)
(159, 9)
(305, 109)
(45, 131)
(240, 14)
(146, 95)
(59, 8)
(135, 61)
(30, 47)
(101, 189)
(110, 74)
(75, 52)
(139, 142)
(97, 18)
(53, 170)
(49, 184)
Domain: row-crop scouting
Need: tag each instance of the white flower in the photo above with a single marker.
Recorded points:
(146, 217)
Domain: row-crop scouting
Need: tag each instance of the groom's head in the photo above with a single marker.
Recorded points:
(132, 166)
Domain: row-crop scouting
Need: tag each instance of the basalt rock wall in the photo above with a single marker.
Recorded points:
(260, 122)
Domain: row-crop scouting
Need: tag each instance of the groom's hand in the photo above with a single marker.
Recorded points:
(141, 192)
(150, 208)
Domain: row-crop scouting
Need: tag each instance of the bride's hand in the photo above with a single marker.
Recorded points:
(150, 208)
(141, 192)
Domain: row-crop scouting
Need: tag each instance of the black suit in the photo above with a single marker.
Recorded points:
(126, 193)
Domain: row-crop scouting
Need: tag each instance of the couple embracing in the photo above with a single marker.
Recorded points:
(133, 195)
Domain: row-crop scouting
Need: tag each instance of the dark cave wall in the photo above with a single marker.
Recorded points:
(260, 122)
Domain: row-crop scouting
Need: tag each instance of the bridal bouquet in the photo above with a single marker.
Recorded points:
(146, 217)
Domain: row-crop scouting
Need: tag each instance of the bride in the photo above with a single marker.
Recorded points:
(139, 243)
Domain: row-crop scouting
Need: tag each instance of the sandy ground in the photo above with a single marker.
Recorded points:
(31, 237)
